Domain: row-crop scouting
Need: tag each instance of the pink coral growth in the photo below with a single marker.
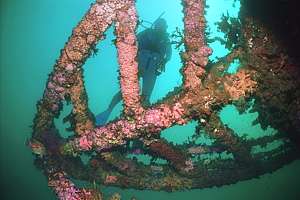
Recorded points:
(59, 78)
(205, 51)
(152, 120)
(178, 112)
(189, 165)
(127, 51)
(66, 190)
(70, 67)
(197, 52)
(55, 91)
(84, 143)
(153, 117)
(162, 117)
(110, 179)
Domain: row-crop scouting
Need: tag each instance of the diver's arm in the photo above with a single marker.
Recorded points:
(166, 53)
(166, 49)
(142, 39)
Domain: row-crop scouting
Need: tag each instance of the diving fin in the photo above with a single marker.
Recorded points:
(102, 118)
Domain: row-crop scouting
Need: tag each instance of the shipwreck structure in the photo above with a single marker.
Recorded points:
(205, 90)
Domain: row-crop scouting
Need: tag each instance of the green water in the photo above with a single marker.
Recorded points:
(33, 32)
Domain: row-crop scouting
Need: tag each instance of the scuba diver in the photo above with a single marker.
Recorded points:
(154, 51)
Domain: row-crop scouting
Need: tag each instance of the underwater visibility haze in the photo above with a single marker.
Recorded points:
(170, 99)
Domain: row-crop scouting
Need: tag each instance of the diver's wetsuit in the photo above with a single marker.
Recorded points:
(154, 50)
(155, 45)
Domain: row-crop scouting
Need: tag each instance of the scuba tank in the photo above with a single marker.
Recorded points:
(151, 23)
(157, 22)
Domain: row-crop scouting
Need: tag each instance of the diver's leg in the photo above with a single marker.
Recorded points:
(149, 78)
(115, 100)
(102, 117)
(143, 57)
